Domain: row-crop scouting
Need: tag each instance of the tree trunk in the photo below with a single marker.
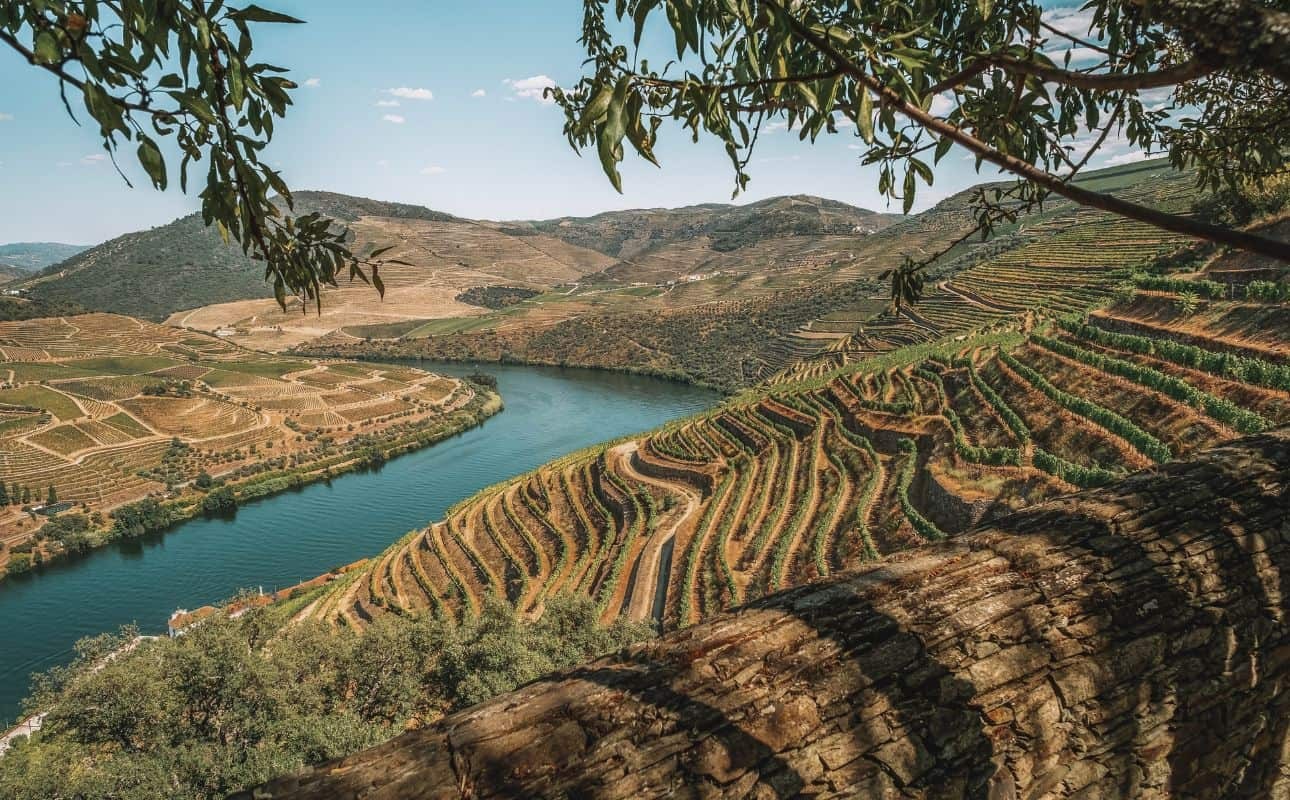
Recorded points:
(1125, 642)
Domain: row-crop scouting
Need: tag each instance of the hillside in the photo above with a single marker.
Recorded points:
(186, 264)
(736, 327)
(105, 411)
(925, 435)
(32, 256)
(192, 268)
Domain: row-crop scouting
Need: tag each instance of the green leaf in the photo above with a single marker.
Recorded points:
(254, 13)
(985, 7)
(864, 116)
(380, 251)
(153, 163)
(47, 51)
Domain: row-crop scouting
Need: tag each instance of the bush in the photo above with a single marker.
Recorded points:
(219, 501)
(216, 710)
(133, 520)
(925, 527)
(1224, 365)
(1223, 410)
(18, 563)
(1147, 444)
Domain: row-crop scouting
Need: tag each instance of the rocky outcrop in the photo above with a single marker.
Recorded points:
(1126, 642)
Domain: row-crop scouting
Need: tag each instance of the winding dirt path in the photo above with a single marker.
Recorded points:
(650, 558)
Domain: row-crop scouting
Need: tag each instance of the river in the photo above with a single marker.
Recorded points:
(281, 540)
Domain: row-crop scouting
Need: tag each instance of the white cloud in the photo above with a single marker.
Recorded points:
(5, 117)
(313, 83)
(94, 158)
(433, 169)
(411, 94)
(478, 93)
(1079, 55)
(1130, 157)
(1072, 20)
(532, 88)
(942, 104)
(387, 103)
(395, 118)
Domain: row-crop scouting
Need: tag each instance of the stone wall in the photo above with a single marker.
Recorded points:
(1130, 641)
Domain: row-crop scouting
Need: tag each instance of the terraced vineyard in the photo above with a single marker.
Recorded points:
(1062, 273)
(783, 485)
(106, 410)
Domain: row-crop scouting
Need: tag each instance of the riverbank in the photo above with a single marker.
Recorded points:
(223, 496)
(385, 352)
(291, 537)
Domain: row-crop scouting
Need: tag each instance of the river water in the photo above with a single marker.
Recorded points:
(281, 540)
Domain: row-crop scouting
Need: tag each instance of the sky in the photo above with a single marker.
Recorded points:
(420, 101)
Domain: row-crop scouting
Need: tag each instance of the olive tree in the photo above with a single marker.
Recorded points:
(1202, 80)
(144, 71)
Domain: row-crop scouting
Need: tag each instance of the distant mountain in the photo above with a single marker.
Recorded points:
(625, 234)
(31, 256)
(185, 265)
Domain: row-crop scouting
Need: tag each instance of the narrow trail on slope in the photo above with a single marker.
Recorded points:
(650, 559)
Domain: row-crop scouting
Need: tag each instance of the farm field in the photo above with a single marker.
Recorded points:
(800, 479)
(103, 410)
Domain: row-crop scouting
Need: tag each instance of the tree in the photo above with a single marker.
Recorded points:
(4, 495)
(913, 78)
(219, 501)
(14, 493)
(26, 494)
(182, 70)
(52, 495)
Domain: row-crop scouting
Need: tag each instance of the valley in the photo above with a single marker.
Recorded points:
(282, 540)
(1070, 352)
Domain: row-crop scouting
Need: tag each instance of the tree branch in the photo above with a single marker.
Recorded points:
(66, 77)
(1024, 169)
(1170, 76)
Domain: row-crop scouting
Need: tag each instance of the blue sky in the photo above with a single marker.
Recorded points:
(425, 101)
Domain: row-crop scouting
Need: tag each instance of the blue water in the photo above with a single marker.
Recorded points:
(281, 540)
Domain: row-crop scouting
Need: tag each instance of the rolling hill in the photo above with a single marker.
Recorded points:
(816, 299)
(32, 256)
(591, 261)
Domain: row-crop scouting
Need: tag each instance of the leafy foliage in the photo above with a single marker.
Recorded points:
(877, 68)
(146, 72)
(235, 702)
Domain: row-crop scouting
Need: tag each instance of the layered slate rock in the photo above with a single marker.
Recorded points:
(1125, 642)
